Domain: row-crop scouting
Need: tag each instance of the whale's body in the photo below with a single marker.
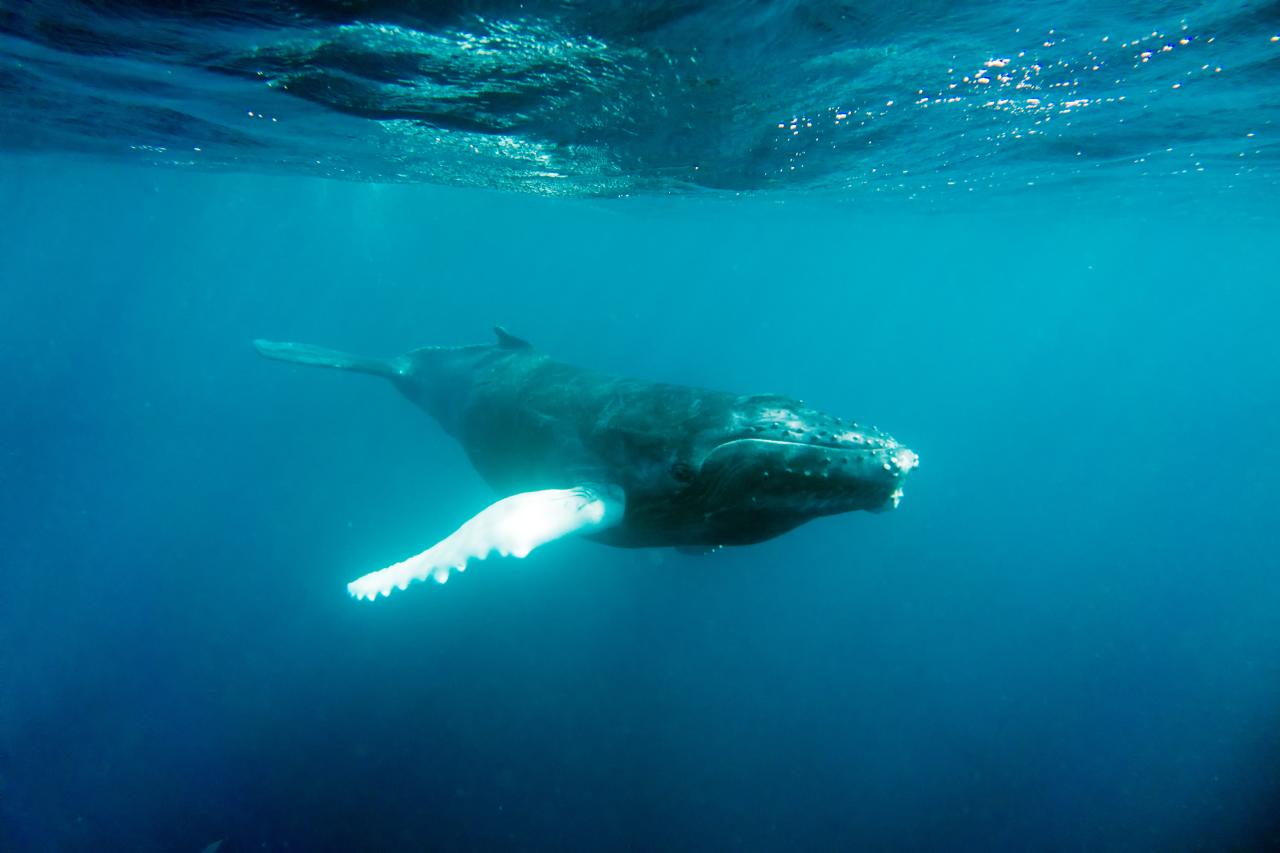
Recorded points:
(668, 465)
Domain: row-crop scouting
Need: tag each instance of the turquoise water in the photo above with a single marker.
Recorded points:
(1066, 637)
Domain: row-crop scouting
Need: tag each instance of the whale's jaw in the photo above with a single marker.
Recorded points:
(804, 479)
(779, 456)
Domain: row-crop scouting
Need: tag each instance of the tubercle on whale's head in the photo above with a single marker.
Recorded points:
(778, 456)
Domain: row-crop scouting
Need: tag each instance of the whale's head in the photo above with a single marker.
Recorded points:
(778, 464)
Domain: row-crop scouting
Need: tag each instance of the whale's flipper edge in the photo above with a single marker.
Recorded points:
(324, 357)
(513, 526)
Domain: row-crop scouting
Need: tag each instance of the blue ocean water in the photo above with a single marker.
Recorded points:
(1067, 637)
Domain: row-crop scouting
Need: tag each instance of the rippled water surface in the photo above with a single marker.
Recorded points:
(931, 99)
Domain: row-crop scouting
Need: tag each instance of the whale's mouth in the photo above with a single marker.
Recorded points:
(806, 477)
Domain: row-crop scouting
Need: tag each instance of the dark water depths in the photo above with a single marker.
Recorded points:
(1067, 637)
(950, 102)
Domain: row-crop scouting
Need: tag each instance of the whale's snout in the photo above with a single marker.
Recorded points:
(901, 463)
(806, 479)
(787, 459)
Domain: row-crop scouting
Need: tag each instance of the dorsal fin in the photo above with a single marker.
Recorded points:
(506, 340)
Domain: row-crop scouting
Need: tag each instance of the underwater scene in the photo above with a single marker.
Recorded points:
(697, 425)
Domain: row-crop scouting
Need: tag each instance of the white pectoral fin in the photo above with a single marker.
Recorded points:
(514, 526)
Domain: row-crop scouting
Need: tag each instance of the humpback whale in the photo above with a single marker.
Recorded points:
(621, 461)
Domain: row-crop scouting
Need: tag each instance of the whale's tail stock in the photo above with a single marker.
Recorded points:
(323, 357)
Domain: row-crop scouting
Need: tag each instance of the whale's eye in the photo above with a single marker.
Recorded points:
(682, 471)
